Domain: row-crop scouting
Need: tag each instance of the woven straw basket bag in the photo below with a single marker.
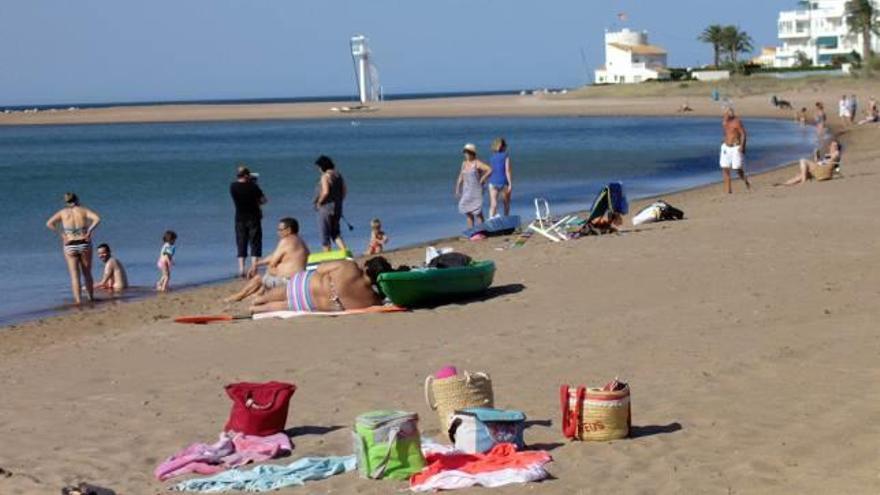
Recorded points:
(446, 395)
(596, 415)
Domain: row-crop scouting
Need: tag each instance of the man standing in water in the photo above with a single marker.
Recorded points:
(248, 198)
(733, 149)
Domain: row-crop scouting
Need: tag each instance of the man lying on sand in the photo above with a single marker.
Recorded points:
(289, 258)
(333, 286)
(114, 278)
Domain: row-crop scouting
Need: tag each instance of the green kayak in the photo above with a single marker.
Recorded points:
(432, 286)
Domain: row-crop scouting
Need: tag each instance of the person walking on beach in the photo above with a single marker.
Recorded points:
(114, 279)
(329, 196)
(248, 199)
(469, 185)
(166, 260)
(77, 224)
(733, 149)
(500, 179)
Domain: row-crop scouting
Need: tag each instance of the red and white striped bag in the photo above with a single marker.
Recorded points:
(596, 414)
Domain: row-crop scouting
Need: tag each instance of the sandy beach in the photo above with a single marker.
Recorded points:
(747, 332)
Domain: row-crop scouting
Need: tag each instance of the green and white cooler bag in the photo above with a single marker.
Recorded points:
(388, 445)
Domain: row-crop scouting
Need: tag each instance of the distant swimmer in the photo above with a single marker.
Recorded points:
(289, 258)
(733, 149)
(77, 224)
(114, 278)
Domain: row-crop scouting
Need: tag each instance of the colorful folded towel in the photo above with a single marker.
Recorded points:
(502, 465)
(266, 477)
(388, 308)
(231, 450)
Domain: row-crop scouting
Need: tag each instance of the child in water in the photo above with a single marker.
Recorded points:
(377, 237)
(166, 259)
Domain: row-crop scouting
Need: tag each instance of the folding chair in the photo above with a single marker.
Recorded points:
(546, 225)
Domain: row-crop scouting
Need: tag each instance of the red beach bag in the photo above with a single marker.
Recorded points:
(259, 408)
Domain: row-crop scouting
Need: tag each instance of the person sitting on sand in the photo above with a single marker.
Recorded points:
(77, 224)
(333, 286)
(873, 113)
(821, 169)
(114, 279)
(684, 108)
(289, 258)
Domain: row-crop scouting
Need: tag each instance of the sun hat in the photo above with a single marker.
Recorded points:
(470, 147)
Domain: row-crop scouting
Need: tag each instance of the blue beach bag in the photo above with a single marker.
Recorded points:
(477, 429)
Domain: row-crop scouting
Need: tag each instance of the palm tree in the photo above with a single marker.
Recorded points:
(713, 36)
(735, 42)
(861, 19)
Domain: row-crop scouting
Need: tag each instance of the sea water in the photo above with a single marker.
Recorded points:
(144, 179)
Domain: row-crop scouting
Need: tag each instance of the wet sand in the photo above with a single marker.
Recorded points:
(747, 332)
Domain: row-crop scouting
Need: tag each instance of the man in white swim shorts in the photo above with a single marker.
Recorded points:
(733, 149)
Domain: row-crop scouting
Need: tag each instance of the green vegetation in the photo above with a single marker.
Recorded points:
(861, 19)
(728, 42)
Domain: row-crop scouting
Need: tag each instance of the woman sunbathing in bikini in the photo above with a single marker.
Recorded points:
(334, 286)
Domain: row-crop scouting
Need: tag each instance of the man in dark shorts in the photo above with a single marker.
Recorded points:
(248, 197)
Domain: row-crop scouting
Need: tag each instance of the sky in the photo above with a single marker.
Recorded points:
(94, 51)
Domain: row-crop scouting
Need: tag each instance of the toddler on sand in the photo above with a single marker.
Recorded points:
(166, 259)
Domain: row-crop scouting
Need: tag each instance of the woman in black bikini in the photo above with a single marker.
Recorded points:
(77, 225)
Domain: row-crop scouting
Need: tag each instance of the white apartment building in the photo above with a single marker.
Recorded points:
(819, 32)
(630, 59)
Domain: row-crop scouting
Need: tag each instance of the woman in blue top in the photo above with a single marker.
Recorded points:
(500, 180)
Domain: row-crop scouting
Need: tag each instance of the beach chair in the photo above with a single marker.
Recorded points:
(611, 202)
(554, 229)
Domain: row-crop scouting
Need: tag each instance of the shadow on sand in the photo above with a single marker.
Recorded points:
(299, 431)
(490, 293)
(651, 430)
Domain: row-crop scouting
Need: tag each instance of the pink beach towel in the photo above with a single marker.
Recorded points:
(231, 450)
